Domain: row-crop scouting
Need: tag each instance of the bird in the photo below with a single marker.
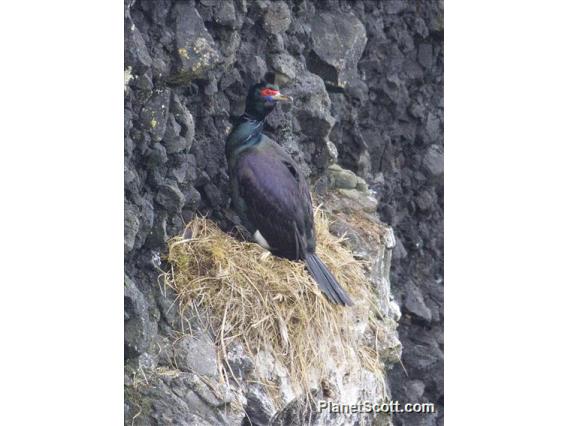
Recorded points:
(270, 194)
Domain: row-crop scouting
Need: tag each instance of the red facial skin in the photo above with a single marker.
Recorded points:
(268, 92)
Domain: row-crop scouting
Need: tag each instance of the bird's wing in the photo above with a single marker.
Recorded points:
(294, 170)
(277, 199)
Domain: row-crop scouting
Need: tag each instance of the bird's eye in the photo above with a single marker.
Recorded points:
(268, 92)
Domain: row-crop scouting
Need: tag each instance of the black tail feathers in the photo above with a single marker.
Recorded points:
(326, 281)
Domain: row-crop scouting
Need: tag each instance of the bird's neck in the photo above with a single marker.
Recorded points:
(246, 132)
(252, 119)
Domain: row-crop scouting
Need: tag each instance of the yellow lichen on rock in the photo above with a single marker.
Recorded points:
(183, 53)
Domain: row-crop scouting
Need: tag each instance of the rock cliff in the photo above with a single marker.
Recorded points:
(367, 128)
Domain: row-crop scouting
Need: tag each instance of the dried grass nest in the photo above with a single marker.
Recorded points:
(273, 304)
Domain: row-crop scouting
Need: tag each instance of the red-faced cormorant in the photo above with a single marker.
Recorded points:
(270, 193)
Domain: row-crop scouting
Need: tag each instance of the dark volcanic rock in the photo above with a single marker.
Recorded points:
(139, 328)
(136, 53)
(154, 114)
(414, 302)
(276, 18)
(181, 398)
(285, 65)
(425, 55)
(434, 160)
(338, 43)
(170, 197)
(195, 48)
(224, 14)
(367, 79)
(196, 354)
(131, 225)
(260, 408)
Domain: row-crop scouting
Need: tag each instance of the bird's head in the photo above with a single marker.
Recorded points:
(262, 98)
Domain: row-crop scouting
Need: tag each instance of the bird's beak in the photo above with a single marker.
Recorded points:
(282, 98)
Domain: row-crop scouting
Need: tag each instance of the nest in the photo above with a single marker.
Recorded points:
(272, 304)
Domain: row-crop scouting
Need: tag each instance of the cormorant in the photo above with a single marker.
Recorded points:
(270, 193)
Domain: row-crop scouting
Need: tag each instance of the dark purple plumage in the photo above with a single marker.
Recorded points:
(277, 198)
(271, 195)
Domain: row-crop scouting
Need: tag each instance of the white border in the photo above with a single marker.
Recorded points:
(506, 211)
(61, 90)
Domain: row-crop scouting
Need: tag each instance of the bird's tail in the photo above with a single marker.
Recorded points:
(326, 281)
